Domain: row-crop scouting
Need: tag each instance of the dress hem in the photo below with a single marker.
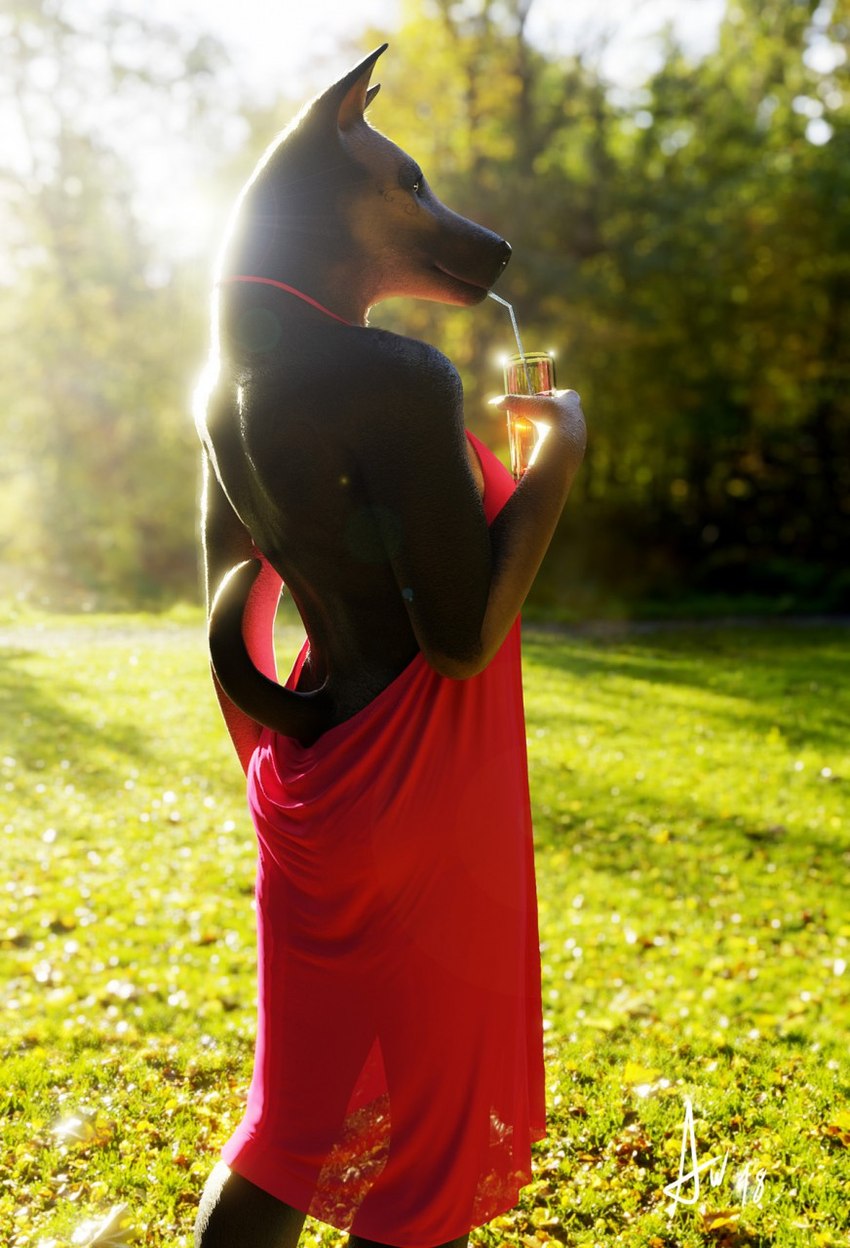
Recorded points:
(243, 1165)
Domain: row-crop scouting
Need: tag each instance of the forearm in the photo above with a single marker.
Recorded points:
(249, 662)
(258, 619)
(521, 533)
(238, 672)
(239, 664)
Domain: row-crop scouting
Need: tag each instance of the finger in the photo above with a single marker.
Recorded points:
(517, 400)
(532, 402)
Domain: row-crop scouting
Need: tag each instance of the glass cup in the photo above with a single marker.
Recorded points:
(533, 373)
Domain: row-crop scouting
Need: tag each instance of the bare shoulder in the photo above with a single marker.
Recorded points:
(339, 401)
(404, 408)
(356, 378)
(407, 369)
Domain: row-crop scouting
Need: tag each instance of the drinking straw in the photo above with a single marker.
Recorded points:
(509, 306)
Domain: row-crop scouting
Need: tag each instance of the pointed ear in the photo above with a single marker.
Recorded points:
(354, 93)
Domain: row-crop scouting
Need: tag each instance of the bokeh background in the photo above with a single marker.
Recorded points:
(674, 179)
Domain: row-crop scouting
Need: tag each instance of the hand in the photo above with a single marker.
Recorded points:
(559, 411)
(304, 716)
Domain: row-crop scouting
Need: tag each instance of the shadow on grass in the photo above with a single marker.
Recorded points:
(38, 724)
(712, 849)
(778, 675)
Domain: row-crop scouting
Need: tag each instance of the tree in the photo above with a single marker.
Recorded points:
(684, 250)
(100, 447)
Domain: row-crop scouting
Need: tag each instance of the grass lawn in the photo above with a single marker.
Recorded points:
(691, 791)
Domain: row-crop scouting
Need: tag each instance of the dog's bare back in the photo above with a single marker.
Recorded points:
(348, 466)
(339, 449)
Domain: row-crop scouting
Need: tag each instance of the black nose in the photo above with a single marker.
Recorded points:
(506, 253)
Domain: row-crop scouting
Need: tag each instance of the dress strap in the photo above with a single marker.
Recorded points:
(299, 294)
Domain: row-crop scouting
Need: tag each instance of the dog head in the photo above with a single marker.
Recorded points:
(333, 193)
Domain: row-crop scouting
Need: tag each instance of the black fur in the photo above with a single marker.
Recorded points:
(341, 449)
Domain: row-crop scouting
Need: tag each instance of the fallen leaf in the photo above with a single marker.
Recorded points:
(82, 1128)
(113, 1231)
(719, 1220)
(837, 1132)
(541, 1217)
(633, 1073)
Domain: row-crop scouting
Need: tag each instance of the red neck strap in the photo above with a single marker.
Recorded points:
(299, 294)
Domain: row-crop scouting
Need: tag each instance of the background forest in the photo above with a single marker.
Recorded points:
(684, 247)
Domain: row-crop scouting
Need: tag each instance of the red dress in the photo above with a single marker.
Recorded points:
(398, 1080)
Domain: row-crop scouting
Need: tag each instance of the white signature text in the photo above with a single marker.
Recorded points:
(716, 1170)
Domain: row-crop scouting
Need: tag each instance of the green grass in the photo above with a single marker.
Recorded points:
(693, 859)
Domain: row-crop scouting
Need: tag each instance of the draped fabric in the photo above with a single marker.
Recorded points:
(398, 1080)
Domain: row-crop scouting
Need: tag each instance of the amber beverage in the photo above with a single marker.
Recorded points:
(532, 373)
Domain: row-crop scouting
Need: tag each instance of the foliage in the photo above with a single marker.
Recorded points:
(685, 250)
(692, 859)
(683, 246)
(99, 455)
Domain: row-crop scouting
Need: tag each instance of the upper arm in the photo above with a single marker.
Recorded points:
(411, 448)
(226, 541)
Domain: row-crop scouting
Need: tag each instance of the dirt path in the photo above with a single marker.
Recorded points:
(61, 636)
